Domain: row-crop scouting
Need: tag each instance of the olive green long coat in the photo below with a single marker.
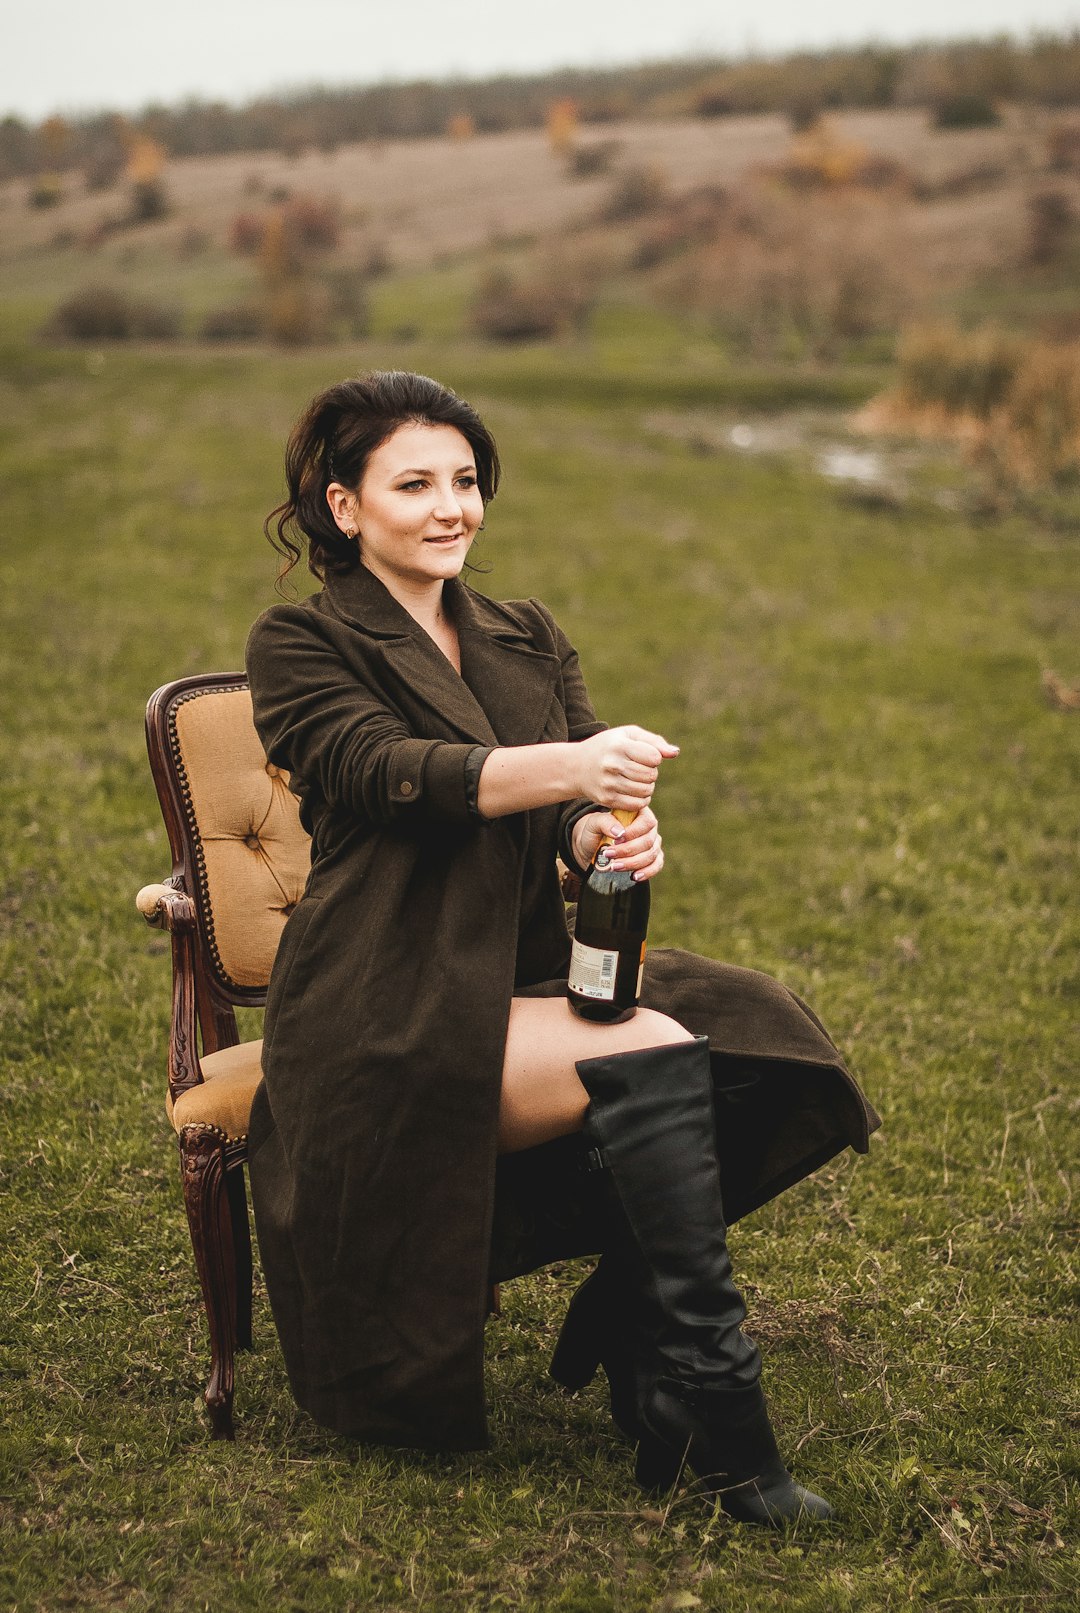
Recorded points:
(373, 1135)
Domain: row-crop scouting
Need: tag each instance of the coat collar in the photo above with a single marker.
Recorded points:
(503, 695)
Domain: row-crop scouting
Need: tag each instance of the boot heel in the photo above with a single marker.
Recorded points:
(576, 1357)
(657, 1466)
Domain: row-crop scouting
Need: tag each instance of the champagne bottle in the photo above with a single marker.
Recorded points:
(608, 953)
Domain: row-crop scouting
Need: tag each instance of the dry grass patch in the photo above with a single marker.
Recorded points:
(1012, 402)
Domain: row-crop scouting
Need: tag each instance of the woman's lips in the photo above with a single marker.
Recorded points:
(450, 537)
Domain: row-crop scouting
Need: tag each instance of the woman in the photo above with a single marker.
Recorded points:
(417, 1034)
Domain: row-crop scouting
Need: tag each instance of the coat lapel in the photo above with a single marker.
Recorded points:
(504, 693)
(512, 679)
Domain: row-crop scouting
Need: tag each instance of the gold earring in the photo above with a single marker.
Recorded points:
(352, 532)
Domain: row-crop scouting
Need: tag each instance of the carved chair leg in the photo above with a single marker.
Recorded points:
(241, 1234)
(206, 1199)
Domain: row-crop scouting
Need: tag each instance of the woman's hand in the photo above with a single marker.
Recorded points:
(619, 767)
(638, 846)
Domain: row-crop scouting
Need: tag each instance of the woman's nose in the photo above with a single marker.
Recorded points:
(447, 505)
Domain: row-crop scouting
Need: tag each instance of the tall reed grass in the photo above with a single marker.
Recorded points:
(1016, 399)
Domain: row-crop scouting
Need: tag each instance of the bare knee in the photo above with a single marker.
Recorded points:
(649, 1028)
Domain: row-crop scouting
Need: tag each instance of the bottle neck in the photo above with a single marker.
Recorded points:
(603, 849)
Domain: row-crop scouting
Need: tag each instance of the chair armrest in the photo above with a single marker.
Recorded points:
(165, 908)
(569, 882)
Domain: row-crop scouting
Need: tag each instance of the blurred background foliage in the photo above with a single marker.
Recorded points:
(848, 211)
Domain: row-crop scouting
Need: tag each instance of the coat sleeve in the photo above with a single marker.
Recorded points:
(581, 723)
(337, 738)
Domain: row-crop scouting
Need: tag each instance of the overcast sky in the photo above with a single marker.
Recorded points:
(77, 55)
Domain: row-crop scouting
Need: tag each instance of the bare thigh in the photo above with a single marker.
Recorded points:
(542, 1096)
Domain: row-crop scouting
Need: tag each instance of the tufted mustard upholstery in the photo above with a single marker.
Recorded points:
(224, 1098)
(256, 854)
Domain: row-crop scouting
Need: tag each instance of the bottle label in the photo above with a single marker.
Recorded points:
(592, 972)
(640, 972)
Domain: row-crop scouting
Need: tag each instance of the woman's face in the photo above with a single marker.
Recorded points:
(418, 506)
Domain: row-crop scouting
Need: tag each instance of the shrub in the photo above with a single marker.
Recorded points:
(585, 162)
(313, 223)
(296, 313)
(149, 201)
(104, 165)
(1051, 221)
(300, 228)
(688, 220)
(877, 172)
(797, 276)
(236, 322)
(1021, 398)
(963, 372)
(965, 110)
(968, 181)
(375, 260)
(804, 111)
(246, 234)
(347, 299)
(822, 158)
(107, 313)
(1063, 147)
(1034, 441)
(509, 308)
(638, 191)
(46, 191)
(193, 242)
(562, 123)
(714, 101)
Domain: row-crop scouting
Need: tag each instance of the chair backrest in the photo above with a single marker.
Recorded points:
(234, 828)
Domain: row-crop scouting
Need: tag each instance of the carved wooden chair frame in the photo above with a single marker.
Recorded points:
(204, 1003)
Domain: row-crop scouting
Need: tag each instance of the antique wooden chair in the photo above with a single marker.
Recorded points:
(240, 861)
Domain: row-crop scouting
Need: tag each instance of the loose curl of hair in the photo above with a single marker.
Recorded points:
(333, 441)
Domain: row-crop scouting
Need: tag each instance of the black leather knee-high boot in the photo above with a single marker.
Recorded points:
(696, 1392)
(596, 1332)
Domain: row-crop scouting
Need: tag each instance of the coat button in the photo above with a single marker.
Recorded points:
(272, 771)
(405, 787)
(252, 841)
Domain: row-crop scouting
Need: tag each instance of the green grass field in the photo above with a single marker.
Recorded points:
(873, 802)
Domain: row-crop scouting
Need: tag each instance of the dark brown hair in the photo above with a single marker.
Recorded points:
(333, 441)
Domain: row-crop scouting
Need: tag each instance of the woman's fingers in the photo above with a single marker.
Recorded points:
(644, 866)
(654, 741)
(638, 854)
(619, 768)
(638, 845)
(640, 848)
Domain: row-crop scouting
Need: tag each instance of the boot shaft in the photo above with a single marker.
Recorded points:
(651, 1113)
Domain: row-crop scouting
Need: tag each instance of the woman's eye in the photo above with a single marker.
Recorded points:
(466, 481)
(410, 487)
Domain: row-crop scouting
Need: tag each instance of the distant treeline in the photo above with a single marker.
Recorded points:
(1044, 70)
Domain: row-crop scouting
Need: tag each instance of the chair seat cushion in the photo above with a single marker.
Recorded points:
(224, 1097)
